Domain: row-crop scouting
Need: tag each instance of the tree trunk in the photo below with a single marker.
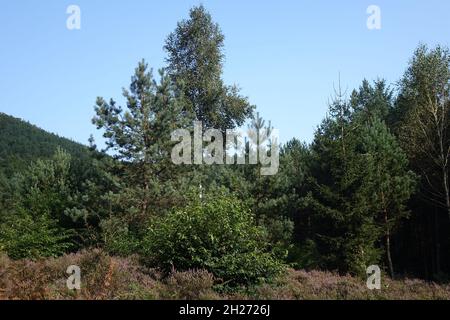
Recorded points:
(388, 253)
(437, 242)
(446, 190)
(388, 237)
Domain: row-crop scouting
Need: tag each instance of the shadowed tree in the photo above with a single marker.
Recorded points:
(424, 105)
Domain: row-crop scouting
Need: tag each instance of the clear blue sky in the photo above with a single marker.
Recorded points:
(285, 55)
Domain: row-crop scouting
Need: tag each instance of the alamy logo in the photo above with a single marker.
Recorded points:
(73, 22)
(374, 279)
(74, 280)
(374, 20)
(239, 147)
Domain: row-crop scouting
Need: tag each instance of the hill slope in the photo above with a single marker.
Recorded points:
(22, 142)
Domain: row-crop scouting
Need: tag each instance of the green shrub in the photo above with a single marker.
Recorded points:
(23, 235)
(117, 238)
(218, 234)
(32, 221)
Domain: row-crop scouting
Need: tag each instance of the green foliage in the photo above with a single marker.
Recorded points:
(117, 237)
(140, 135)
(359, 183)
(423, 115)
(21, 143)
(195, 62)
(341, 203)
(372, 101)
(388, 184)
(273, 199)
(24, 235)
(328, 204)
(216, 233)
(45, 185)
(38, 177)
(420, 122)
(33, 223)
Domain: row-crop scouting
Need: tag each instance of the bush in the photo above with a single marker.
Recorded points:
(32, 214)
(23, 235)
(117, 238)
(217, 234)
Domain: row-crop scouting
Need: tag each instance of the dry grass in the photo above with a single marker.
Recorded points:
(317, 285)
(105, 277)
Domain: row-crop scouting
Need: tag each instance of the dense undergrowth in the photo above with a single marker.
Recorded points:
(105, 277)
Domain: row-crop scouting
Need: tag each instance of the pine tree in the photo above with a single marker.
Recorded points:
(388, 184)
(140, 134)
(372, 101)
(359, 182)
(341, 231)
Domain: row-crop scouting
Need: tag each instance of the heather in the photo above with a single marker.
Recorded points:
(110, 278)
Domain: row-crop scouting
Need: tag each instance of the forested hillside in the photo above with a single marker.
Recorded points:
(21, 143)
(372, 188)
